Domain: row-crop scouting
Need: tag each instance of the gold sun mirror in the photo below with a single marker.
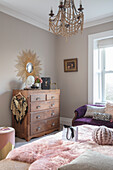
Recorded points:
(28, 64)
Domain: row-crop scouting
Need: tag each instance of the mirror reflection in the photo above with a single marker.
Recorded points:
(29, 67)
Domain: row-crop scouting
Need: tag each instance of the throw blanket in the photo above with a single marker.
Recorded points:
(51, 152)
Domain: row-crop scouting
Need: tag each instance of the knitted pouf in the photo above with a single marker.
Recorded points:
(103, 136)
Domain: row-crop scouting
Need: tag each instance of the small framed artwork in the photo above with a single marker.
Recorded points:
(46, 83)
(71, 65)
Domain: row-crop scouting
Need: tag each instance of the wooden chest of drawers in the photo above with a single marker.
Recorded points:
(43, 114)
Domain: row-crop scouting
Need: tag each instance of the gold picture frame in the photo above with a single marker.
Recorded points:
(71, 65)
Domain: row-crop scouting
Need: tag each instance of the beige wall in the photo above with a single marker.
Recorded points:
(15, 36)
(74, 85)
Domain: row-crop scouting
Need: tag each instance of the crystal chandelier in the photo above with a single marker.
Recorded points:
(68, 20)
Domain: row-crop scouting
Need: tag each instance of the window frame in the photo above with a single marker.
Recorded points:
(102, 55)
(92, 44)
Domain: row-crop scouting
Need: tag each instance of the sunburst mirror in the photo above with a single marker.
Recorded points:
(28, 64)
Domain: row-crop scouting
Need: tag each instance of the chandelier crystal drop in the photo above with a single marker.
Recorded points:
(68, 20)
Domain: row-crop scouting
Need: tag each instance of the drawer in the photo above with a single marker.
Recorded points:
(54, 104)
(53, 113)
(52, 123)
(38, 127)
(38, 97)
(37, 116)
(37, 106)
(53, 96)
(41, 115)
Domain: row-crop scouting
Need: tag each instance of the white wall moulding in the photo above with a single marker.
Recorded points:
(97, 21)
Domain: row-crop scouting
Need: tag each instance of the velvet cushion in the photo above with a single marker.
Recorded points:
(109, 108)
(90, 121)
(81, 111)
(92, 109)
(90, 160)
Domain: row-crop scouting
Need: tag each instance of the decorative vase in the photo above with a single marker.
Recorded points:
(37, 85)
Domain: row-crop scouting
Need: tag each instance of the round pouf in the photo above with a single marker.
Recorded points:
(7, 141)
(103, 136)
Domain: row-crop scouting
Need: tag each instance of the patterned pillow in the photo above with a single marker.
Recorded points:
(109, 108)
(102, 116)
(92, 109)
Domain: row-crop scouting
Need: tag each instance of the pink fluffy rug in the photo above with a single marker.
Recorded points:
(51, 152)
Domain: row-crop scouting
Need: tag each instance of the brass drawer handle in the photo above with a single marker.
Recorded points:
(52, 104)
(37, 107)
(53, 124)
(52, 97)
(52, 114)
(38, 117)
(38, 98)
(38, 128)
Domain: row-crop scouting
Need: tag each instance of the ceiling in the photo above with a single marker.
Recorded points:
(36, 11)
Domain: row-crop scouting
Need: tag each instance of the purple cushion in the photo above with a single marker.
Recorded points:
(81, 111)
(91, 121)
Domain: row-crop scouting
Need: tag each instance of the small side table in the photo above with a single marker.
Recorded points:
(7, 141)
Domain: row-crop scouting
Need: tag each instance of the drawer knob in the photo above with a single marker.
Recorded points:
(38, 117)
(52, 104)
(52, 97)
(38, 98)
(38, 128)
(53, 124)
(52, 114)
(37, 107)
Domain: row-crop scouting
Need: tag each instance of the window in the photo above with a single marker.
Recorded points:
(104, 62)
(100, 67)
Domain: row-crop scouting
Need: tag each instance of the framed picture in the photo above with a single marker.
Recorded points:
(46, 83)
(71, 65)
